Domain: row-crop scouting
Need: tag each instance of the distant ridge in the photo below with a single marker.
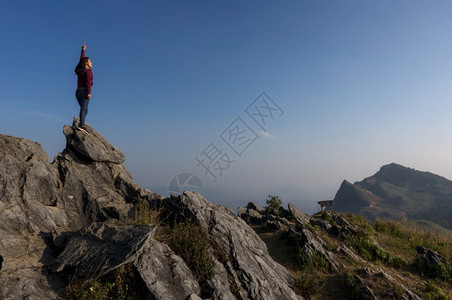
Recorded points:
(398, 192)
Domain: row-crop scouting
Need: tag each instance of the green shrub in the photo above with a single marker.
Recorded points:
(305, 284)
(316, 260)
(145, 215)
(390, 227)
(431, 292)
(121, 284)
(191, 242)
(369, 250)
(351, 284)
(273, 205)
(436, 271)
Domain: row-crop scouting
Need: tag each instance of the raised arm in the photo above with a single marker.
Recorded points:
(83, 50)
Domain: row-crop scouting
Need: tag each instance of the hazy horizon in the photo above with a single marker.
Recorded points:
(349, 87)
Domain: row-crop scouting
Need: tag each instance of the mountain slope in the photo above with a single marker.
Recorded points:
(399, 192)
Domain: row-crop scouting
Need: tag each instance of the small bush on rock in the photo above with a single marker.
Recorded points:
(191, 242)
(121, 284)
(273, 205)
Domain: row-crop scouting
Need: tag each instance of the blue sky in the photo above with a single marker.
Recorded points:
(361, 84)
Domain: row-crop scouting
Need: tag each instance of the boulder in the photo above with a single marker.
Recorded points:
(241, 213)
(320, 223)
(29, 206)
(380, 285)
(312, 244)
(100, 248)
(300, 217)
(255, 217)
(430, 261)
(165, 274)
(92, 146)
(254, 206)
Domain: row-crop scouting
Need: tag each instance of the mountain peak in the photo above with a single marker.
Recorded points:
(396, 191)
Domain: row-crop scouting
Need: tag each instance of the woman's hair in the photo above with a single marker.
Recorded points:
(81, 64)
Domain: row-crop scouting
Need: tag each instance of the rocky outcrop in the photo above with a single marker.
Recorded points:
(312, 244)
(432, 263)
(254, 215)
(30, 193)
(248, 271)
(378, 284)
(92, 146)
(73, 217)
(300, 217)
(252, 205)
(101, 247)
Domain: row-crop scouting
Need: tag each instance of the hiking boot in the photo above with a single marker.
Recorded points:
(82, 128)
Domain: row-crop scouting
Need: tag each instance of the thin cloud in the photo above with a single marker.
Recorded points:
(44, 115)
(268, 135)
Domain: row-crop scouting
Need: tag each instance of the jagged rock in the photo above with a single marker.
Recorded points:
(38, 197)
(248, 272)
(92, 146)
(429, 261)
(349, 252)
(241, 213)
(300, 217)
(408, 294)
(256, 218)
(312, 244)
(254, 206)
(70, 217)
(165, 274)
(322, 224)
(365, 271)
(29, 187)
(104, 246)
(341, 231)
(367, 294)
(341, 221)
(29, 205)
(96, 190)
(275, 225)
(100, 247)
(382, 284)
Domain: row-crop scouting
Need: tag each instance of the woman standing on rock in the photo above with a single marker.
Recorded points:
(84, 83)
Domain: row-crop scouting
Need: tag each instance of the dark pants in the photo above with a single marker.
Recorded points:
(82, 98)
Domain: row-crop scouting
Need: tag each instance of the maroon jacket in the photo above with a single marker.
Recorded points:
(85, 77)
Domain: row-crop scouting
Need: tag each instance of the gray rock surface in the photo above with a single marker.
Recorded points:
(29, 205)
(165, 274)
(255, 217)
(252, 205)
(300, 217)
(248, 272)
(100, 247)
(429, 261)
(92, 146)
(72, 216)
(38, 197)
(312, 244)
(380, 285)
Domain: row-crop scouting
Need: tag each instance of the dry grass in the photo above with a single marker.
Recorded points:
(395, 238)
